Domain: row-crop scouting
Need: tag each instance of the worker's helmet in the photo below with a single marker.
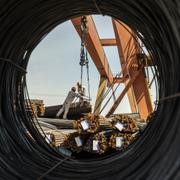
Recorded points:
(73, 89)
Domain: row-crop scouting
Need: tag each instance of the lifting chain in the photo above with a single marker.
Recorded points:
(84, 54)
(84, 29)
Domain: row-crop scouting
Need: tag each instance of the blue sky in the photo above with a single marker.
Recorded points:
(54, 64)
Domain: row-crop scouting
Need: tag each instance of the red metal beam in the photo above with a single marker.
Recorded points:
(128, 50)
(95, 48)
(108, 42)
(119, 80)
(123, 61)
(119, 99)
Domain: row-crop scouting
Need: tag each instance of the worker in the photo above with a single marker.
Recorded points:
(66, 105)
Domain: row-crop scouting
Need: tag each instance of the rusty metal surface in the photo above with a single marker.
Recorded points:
(108, 42)
(128, 49)
(119, 99)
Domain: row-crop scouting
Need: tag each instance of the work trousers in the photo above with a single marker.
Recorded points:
(65, 109)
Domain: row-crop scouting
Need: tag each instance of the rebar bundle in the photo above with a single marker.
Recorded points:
(76, 110)
(97, 143)
(98, 133)
(74, 142)
(124, 124)
(119, 141)
(87, 124)
(59, 136)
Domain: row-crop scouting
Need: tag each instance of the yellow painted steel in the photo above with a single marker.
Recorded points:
(99, 98)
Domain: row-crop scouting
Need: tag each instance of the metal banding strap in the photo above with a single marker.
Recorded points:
(177, 95)
(53, 168)
(14, 64)
(97, 7)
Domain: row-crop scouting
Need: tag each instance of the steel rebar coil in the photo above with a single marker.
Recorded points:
(153, 156)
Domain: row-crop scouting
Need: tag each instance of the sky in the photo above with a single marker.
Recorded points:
(54, 65)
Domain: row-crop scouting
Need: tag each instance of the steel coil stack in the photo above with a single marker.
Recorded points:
(153, 156)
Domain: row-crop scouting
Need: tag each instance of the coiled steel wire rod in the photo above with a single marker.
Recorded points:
(154, 156)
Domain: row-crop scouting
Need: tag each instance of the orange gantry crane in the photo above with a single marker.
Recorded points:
(132, 70)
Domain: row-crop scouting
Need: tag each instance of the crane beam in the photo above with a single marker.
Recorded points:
(125, 90)
(123, 61)
(128, 51)
(108, 42)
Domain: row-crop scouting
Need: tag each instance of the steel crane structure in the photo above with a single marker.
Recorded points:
(132, 70)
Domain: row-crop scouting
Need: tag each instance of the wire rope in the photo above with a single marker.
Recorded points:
(154, 156)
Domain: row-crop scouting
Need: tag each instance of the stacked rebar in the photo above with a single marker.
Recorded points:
(36, 107)
(124, 124)
(58, 137)
(74, 142)
(87, 124)
(97, 134)
(120, 141)
(97, 143)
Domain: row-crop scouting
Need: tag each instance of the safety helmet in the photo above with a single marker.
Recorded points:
(73, 89)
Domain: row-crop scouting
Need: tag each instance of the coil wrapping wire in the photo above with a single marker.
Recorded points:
(154, 156)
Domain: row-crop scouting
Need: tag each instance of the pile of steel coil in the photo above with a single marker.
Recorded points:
(155, 154)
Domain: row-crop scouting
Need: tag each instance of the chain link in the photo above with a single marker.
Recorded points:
(84, 54)
(84, 28)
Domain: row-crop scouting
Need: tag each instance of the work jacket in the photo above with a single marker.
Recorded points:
(71, 96)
